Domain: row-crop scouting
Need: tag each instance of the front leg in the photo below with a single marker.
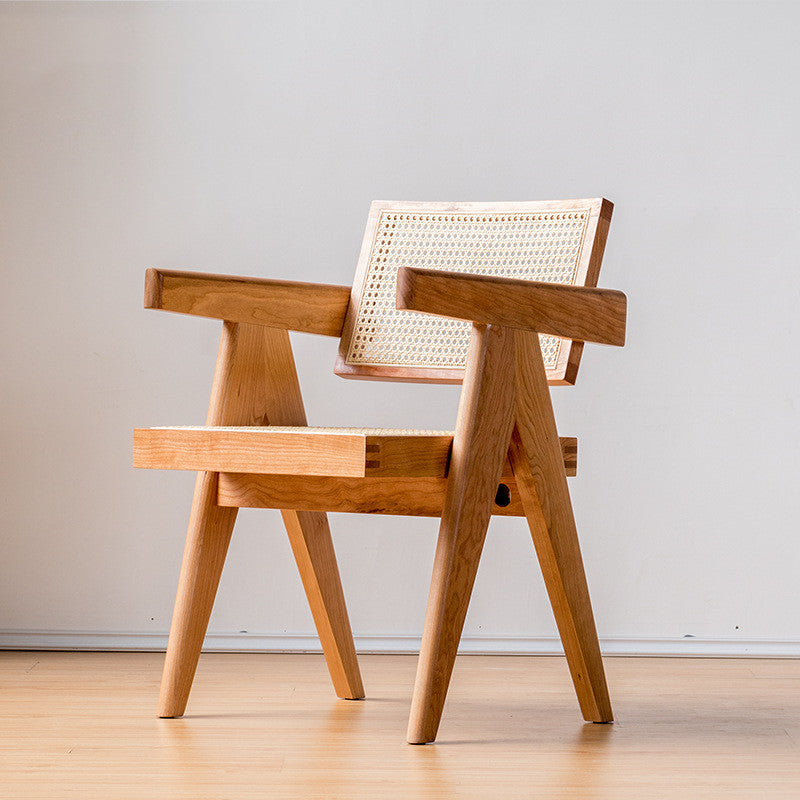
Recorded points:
(234, 401)
(255, 383)
(483, 430)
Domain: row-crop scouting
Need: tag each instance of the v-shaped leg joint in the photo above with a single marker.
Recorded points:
(255, 383)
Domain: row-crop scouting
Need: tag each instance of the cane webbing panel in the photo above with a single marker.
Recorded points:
(528, 241)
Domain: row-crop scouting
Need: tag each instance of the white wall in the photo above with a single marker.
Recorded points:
(250, 139)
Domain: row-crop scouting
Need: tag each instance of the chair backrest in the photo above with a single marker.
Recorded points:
(558, 241)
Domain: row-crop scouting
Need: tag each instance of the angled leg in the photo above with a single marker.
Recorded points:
(483, 429)
(207, 540)
(542, 484)
(255, 381)
(309, 532)
(233, 402)
(310, 538)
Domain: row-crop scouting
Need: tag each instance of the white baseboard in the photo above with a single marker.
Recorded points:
(380, 643)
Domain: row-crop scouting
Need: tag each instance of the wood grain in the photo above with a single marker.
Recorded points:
(310, 534)
(407, 456)
(312, 547)
(319, 452)
(243, 450)
(483, 428)
(291, 305)
(572, 312)
(417, 497)
(255, 380)
(309, 531)
(234, 400)
(304, 473)
(542, 485)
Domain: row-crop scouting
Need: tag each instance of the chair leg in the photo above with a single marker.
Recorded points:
(210, 528)
(235, 400)
(309, 532)
(485, 418)
(310, 538)
(255, 383)
(542, 484)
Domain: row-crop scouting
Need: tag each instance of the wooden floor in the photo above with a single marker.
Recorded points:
(83, 725)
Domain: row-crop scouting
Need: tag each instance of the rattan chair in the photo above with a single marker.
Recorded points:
(497, 296)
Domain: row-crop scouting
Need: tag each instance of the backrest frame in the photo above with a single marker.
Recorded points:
(586, 272)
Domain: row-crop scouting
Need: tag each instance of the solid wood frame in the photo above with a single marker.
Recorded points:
(291, 305)
(255, 382)
(505, 436)
(306, 452)
(573, 312)
(511, 366)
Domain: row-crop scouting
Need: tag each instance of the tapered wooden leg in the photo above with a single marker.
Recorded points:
(310, 537)
(483, 429)
(310, 534)
(234, 401)
(210, 528)
(542, 484)
(255, 383)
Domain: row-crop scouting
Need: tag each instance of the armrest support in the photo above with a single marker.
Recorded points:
(290, 305)
(572, 312)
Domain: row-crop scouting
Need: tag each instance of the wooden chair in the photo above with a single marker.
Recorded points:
(498, 296)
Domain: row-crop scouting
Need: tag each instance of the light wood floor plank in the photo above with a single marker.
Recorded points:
(84, 725)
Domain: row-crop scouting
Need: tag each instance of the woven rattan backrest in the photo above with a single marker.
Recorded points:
(559, 241)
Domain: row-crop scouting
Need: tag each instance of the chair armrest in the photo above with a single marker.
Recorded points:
(290, 305)
(572, 312)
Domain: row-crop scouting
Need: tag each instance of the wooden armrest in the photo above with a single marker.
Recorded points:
(290, 305)
(572, 312)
